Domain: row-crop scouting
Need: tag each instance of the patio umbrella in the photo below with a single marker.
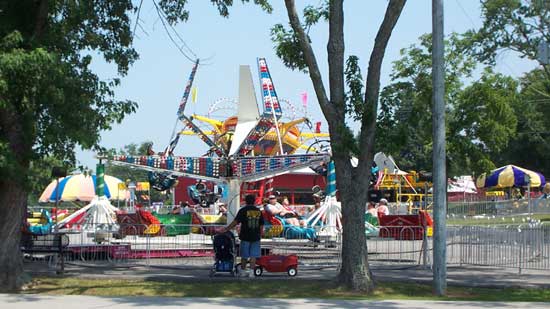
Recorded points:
(81, 188)
(511, 176)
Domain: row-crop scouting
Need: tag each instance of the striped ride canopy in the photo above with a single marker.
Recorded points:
(511, 176)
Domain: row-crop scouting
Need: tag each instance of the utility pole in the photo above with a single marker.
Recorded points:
(439, 164)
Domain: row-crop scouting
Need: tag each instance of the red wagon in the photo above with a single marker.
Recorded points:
(277, 263)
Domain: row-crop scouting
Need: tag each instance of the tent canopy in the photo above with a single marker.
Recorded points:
(81, 187)
(510, 176)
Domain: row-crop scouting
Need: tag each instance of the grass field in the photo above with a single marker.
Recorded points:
(270, 289)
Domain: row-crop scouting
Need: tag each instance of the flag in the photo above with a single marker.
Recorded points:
(304, 99)
(194, 93)
(318, 127)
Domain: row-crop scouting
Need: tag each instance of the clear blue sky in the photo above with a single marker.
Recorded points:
(157, 80)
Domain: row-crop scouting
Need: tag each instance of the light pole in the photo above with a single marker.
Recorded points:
(439, 159)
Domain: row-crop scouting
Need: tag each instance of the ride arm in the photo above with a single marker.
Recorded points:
(187, 132)
(308, 136)
(216, 124)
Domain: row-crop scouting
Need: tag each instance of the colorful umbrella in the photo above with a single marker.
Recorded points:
(81, 188)
(511, 176)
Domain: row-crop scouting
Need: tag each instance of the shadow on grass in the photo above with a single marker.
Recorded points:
(271, 291)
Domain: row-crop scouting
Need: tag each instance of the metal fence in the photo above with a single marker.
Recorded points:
(522, 247)
(499, 208)
(399, 245)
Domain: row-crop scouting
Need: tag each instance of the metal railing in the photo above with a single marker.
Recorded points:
(499, 208)
(524, 246)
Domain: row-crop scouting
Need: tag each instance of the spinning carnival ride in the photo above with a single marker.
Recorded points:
(245, 148)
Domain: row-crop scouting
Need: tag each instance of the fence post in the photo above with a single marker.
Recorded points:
(425, 245)
(521, 253)
(148, 248)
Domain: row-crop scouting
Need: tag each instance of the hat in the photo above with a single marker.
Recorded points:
(383, 201)
(272, 196)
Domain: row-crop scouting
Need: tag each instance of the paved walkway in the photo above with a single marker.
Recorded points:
(13, 301)
(458, 276)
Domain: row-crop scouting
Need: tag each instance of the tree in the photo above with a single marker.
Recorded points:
(530, 146)
(517, 25)
(482, 122)
(50, 100)
(481, 118)
(294, 47)
(405, 118)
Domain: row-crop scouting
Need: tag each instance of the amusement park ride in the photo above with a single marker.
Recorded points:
(245, 148)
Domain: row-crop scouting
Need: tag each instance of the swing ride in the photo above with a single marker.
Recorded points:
(245, 148)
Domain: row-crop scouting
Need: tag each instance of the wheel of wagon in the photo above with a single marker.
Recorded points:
(237, 269)
(258, 271)
(292, 271)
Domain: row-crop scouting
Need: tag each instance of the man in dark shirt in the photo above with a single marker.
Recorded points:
(251, 220)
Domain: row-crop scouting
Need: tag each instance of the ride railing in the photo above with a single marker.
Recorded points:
(521, 246)
(181, 245)
(140, 244)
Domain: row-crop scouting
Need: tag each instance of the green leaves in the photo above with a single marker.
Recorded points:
(287, 48)
(53, 99)
(287, 44)
(355, 105)
(480, 117)
(510, 24)
(175, 10)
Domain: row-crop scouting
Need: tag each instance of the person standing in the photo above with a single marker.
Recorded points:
(251, 221)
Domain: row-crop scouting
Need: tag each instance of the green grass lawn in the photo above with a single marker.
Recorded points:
(499, 220)
(269, 289)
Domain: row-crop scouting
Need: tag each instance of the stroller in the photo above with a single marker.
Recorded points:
(225, 254)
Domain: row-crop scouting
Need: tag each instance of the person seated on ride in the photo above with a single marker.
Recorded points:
(276, 209)
(222, 209)
(371, 215)
(177, 209)
(371, 209)
(383, 209)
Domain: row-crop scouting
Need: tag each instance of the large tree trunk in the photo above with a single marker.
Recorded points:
(13, 199)
(12, 209)
(354, 272)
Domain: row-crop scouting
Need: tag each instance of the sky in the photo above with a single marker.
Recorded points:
(157, 80)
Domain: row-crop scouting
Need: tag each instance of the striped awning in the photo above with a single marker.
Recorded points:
(510, 176)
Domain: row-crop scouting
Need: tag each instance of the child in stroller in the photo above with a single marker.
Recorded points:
(225, 253)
